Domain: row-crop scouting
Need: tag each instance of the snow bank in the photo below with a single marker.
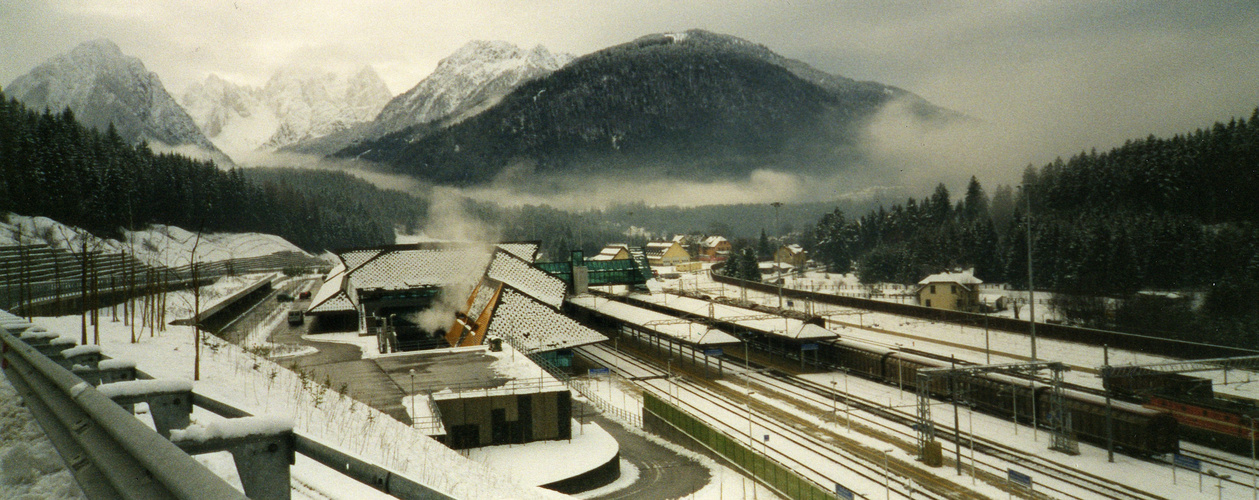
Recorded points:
(159, 245)
(29, 465)
(266, 425)
(80, 350)
(138, 387)
(37, 334)
(116, 364)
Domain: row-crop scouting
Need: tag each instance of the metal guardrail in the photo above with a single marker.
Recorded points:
(113, 455)
(110, 453)
(353, 467)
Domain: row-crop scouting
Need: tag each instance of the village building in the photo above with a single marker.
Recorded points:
(955, 291)
(614, 251)
(666, 253)
(494, 322)
(714, 248)
(792, 254)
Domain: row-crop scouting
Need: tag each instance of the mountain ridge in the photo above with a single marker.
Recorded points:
(103, 86)
(692, 105)
(295, 104)
(464, 83)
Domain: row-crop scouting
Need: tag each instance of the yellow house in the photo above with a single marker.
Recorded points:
(715, 248)
(615, 251)
(957, 291)
(666, 253)
(791, 254)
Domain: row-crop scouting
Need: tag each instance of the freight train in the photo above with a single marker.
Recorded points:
(1219, 421)
(1135, 429)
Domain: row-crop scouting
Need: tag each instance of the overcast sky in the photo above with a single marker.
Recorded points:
(1055, 77)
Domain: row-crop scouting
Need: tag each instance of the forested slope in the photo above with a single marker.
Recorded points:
(51, 165)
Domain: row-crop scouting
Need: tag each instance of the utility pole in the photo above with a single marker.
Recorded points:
(1031, 288)
(777, 227)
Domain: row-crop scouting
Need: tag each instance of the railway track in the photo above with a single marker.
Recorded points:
(795, 449)
(1241, 472)
(1094, 486)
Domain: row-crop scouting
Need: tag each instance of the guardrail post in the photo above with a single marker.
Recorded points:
(262, 447)
(170, 401)
(86, 355)
(109, 370)
(52, 350)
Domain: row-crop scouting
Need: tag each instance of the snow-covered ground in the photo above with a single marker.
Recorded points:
(257, 385)
(158, 245)
(1140, 474)
(969, 343)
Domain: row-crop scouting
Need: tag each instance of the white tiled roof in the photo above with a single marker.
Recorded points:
(336, 270)
(658, 248)
(331, 296)
(811, 331)
(535, 327)
(525, 250)
(713, 241)
(403, 269)
(528, 279)
(609, 252)
(336, 303)
(692, 332)
(966, 277)
(355, 258)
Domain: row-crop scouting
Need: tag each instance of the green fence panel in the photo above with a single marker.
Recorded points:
(768, 471)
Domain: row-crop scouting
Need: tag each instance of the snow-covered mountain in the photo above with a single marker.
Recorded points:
(101, 85)
(294, 105)
(466, 82)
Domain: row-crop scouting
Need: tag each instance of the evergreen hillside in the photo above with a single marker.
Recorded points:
(53, 166)
(1154, 214)
(693, 105)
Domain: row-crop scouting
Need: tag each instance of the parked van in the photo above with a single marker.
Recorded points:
(296, 317)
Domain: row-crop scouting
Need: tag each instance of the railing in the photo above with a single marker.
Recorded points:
(581, 386)
(110, 453)
(113, 455)
(777, 476)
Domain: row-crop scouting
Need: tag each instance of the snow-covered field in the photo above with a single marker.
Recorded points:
(158, 245)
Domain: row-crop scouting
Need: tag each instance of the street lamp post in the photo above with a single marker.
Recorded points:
(412, 373)
(1031, 298)
(847, 411)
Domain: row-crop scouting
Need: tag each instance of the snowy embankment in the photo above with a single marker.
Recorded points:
(261, 387)
(159, 245)
(29, 465)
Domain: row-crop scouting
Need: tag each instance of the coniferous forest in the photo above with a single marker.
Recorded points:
(1173, 215)
(51, 165)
